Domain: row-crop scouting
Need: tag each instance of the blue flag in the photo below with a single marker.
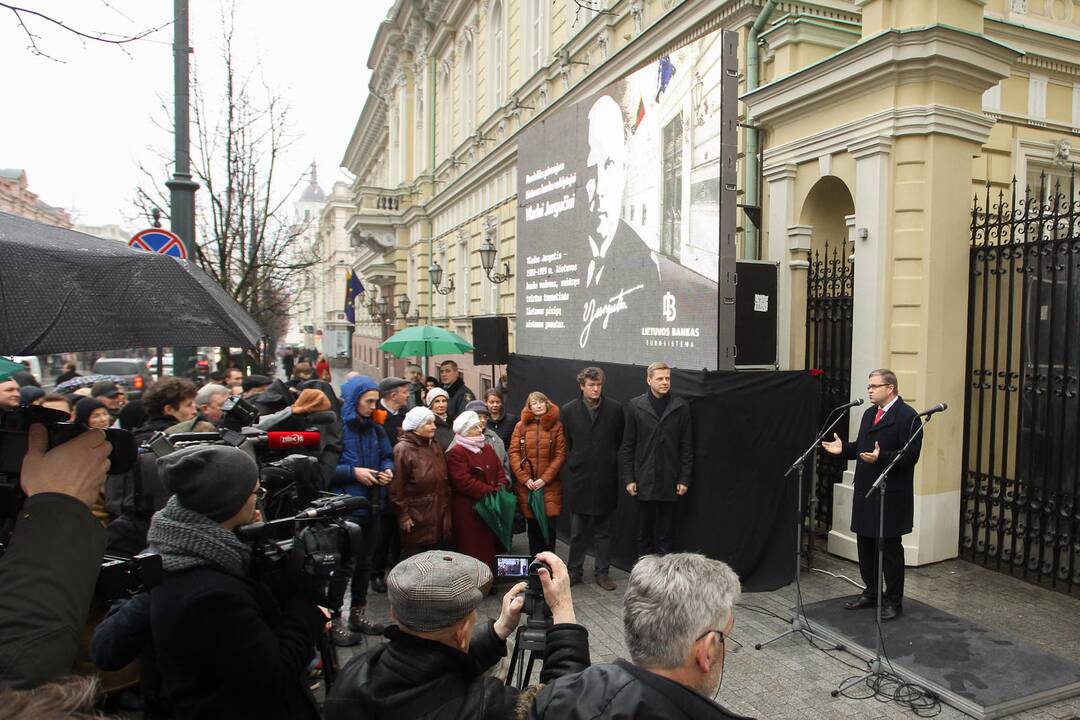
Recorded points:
(353, 289)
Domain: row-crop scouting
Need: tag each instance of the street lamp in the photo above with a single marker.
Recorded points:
(403, 305)
(487, 260)
(436, 280)
(383, 305)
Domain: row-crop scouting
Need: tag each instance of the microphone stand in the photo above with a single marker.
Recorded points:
(798, 622)
(879, 485)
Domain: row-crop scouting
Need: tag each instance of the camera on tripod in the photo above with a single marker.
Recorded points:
(532, 636)
(322, 541)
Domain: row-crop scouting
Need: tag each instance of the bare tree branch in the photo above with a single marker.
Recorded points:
(93, 35)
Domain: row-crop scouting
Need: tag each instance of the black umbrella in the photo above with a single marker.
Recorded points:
(64, 291)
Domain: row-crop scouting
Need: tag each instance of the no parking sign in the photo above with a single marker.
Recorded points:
(157, 240)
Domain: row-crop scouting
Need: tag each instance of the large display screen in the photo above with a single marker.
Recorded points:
(621, 212)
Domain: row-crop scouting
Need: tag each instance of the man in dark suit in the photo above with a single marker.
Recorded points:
(886, 427)
(594, 431)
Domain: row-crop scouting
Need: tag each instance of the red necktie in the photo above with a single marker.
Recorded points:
(880, 414)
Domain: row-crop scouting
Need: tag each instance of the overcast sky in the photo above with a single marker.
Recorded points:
(80, 127)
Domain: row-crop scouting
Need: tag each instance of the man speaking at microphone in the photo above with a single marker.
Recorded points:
(886, 427)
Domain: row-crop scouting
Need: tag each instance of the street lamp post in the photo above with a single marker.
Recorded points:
(487, 261)
(436, 280)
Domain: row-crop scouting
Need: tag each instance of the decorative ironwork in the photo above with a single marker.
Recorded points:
(1020, 497)
(829, 299)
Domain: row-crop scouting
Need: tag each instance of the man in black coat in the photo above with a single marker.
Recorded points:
(677, 642)
(656, 458)
(594, 430)
(886, 427)
(435, 662)
(454, 385)
(51, 564)
(226, 647)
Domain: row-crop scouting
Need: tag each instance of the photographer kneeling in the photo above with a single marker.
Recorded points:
(225, 647)
(434, 663)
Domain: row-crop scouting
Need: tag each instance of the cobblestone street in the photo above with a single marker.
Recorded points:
(792, 679)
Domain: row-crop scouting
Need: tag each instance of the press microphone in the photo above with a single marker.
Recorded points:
(338, 506)
(940, 407)
(853, 403)
(286, 440)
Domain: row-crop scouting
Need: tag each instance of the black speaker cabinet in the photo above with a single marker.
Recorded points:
(755, 314)
(491, 345)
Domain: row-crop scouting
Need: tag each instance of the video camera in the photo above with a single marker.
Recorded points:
(322, 541)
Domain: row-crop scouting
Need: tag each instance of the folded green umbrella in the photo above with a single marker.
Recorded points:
(496, 509)
(536, 505)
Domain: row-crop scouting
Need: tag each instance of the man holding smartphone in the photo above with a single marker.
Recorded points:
(440, 649)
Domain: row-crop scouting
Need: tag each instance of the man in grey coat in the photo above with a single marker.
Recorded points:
(656, 458)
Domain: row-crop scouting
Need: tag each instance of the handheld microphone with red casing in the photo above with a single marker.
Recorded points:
(286, 440)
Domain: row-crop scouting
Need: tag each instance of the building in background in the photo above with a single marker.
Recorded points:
(872, 125)
(17, 199)
(107, 232)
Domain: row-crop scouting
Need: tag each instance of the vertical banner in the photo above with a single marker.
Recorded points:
(626, 217)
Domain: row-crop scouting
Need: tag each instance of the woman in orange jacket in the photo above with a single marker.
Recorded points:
(537, 453)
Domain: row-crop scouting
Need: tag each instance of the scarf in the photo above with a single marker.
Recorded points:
(187, 539)
(473, 444)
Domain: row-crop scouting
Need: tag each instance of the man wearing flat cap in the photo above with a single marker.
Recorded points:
(438, 652)
(225, 647)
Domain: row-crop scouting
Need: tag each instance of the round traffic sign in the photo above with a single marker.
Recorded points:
(157, 240)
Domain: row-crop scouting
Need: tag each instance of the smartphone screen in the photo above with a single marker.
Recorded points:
(512, 566)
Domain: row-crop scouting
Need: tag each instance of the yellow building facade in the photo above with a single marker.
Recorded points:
(877, 122)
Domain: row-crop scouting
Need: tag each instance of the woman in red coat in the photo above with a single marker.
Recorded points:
(475, 470)
(322, 369)
(537, 453)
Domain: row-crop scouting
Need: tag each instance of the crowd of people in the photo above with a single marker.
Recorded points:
(423, 452)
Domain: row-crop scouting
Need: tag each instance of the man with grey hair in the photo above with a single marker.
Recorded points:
(208, 401)
(678, 611)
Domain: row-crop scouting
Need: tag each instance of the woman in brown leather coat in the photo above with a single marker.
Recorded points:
(420, 490)
(537, 452)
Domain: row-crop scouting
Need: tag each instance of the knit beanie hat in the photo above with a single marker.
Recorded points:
(85, 408)
(465, 421)
(212, 480)
(415, 418)
(434, 393)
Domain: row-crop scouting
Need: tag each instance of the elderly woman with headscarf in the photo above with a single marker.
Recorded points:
(420, 490)
(475, 471)
(438, 401)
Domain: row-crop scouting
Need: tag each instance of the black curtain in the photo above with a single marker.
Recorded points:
(748, 427)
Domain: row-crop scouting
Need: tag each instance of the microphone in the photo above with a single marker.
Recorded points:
(854, 403)
(940, 407)
(345, 505)
(286, 440)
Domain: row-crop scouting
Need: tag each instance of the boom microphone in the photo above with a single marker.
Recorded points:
(286, 440)
(339, 506)
(853, 403)
(940, 407)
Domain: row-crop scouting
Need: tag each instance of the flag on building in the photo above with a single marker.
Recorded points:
(640, 113)
(664, 72)
(353, 289)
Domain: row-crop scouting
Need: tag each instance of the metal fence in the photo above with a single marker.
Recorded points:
(1020, 509)
(829, 299)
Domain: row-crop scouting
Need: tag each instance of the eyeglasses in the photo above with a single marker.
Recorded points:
(259, 493)
(718, 632)
(874, 387)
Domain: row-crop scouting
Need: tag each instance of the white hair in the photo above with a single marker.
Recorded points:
(208, 392)
(671, 601)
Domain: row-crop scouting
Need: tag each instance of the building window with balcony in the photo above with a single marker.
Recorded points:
(496, 56)
(535, 34)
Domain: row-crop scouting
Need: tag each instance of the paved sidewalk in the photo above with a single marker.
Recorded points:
(792, 679)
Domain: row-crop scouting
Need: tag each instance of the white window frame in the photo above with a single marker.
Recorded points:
(496, 55)
(1037, 87)
(534, 33)
(468, 88)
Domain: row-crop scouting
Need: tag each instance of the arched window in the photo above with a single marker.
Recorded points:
(535, 34)
(446, 111)
(468, 89)
(497, 55)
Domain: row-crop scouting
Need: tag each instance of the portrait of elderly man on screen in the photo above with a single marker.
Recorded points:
(626, 284)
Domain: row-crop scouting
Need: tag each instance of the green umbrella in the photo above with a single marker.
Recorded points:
(425, 340)
(496, 509)
(536, 505)
(9, 368)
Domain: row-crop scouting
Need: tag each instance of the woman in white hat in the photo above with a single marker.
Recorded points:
(475, 470)
(438, 401)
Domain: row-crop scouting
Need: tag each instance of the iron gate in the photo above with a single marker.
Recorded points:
(1020, 509)
(829, 295)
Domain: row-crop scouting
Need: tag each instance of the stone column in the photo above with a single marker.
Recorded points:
(781, 182)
